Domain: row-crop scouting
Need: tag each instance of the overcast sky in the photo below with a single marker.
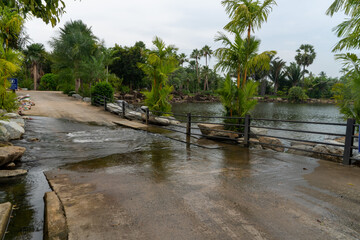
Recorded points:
(191, 24)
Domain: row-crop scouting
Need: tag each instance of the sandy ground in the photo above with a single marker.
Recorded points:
(58, 105)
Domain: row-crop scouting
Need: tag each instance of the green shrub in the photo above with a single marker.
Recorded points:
(27, 83)
(67, 88)
(115, 81)
(281, 93)
(8, 100)
(124, 89)
(102, 89)
(85, 90)
(297, 94)
(49, 82)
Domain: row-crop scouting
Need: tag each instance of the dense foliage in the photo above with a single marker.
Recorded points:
(297, 94)
(102, 89)
(49, 82)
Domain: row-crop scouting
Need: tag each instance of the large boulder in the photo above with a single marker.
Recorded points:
(114, 108)
(10, 154)
(273, 141)
(15, 130)
(322, 151)
(4, 134)
(211, 130)
(299, 152)
(257, 131)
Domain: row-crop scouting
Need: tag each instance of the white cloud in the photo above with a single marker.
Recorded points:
(192, 24)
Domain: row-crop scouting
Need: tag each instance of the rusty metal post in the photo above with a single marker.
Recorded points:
(123, 108)
(188, 124)
(247, 131)
(147, 116)
(349, 140)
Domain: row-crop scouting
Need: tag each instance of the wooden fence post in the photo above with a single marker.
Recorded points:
(349, 140)
(105, 103)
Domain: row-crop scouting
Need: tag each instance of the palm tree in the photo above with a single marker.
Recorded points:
(241, 56)
(160, 63)
(305, 56)
(247, 15)
(294, 73)
(276, 70)
(182, 58)
(75, 45)
(196, 54)
(349, 29)
(206, 52)
(34, 54)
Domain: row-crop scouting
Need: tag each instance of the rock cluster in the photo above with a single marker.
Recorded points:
(285, 100)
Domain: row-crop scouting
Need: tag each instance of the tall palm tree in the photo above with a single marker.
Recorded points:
(247, 15)
(34, 54)
(305, 56)
(196, 54)
(182, 58)
(241, 56)
(276, 69)
(74, 46)
(206, 52)
(294, 73)
(349, 29)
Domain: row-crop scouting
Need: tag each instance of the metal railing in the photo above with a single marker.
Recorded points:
(238, 129)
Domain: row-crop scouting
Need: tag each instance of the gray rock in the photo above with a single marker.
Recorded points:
(12, 115)
(10, 154)
(15, 130)
(87, 99)
(323, 150)
(211, 131)
(273, 141)
(19, 121)
(77, 96)
(114, 108)
(4, 134)
(299, 152)
(256, 131)
(5, 212)
(12, 173)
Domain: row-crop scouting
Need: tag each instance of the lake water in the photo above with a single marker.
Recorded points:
(283, 111)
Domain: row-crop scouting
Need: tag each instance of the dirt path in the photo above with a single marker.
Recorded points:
(58, 105)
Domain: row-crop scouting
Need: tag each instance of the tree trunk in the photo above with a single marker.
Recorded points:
(77, 84)
(35, 77)
(263, 88)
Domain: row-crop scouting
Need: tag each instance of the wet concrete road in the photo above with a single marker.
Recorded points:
(165, 191)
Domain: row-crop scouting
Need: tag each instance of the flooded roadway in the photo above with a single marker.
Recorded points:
(118, 183)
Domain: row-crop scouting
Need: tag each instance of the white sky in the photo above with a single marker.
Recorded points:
(191, 24)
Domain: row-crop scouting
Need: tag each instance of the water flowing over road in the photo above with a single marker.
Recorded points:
(118, 183)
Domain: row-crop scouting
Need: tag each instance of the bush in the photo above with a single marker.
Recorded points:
(297, 94)
(102, 89)
(8, 100)
(67, 88)
(124, 89)
(49, 82)
(115, 81)
(26, 83)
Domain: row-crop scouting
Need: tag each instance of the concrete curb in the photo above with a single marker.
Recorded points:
(55, 226)
(5, 212)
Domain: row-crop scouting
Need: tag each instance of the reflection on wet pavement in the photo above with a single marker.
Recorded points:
(144, 181)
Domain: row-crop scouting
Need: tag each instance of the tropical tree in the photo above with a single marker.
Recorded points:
(125, 65)
(247, 15)
(48, 11)
(160, 63)
(276, 71)
(206, 52)
(347, 94)
(75, 45)
(10, 59)
(348, 30)
(305, 56)
(241, 56)
(35, 55)
(294, 73)
(182, 58)
(196, 54)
